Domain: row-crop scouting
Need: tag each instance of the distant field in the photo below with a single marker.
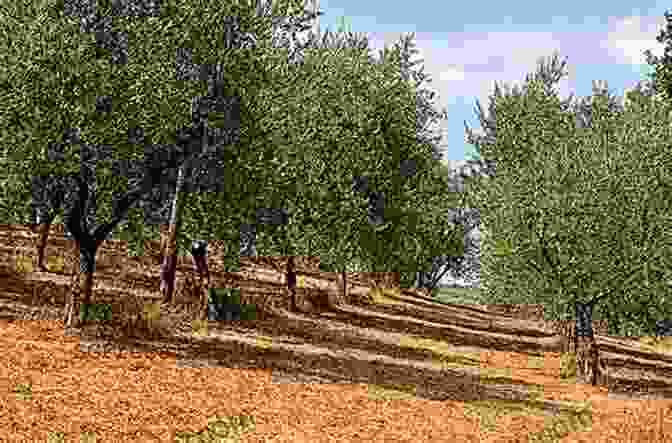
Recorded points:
(459, 295)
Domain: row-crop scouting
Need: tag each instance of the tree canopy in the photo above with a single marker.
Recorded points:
(661, 78)
(334, 114)
(143, 95)
(331, 119)
(110, 78)
(576, 208)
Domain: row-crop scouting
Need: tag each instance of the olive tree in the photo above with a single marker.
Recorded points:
(576, 213)
(106, 90)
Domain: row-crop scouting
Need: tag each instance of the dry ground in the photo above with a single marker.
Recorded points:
(402, 369)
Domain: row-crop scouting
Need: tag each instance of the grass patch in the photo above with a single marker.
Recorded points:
(199, 328)
(23, 391)
(567, 366)
(384, 296)
(392, 392)
(152, 311)
(219, 429)
(446, 357)
(264, 342)
(95, 312)
(84, 437)
(24, 264)
(535, 361)
(662, 345)
(572, 417)
(466, 296)
(54, 263)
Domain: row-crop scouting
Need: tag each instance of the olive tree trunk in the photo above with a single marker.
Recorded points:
(169, 242)
(291, 282)
(77, 304)
(42, 230)
(588, 367)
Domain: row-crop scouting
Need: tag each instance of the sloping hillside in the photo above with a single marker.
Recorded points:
(399, 369)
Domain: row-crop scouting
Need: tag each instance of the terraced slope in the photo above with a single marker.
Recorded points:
(404, 368)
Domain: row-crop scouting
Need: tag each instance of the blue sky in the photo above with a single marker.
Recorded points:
(467, 45)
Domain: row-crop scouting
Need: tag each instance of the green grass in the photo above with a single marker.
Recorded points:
(458, 295)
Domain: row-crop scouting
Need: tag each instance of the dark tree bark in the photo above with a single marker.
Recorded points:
(49, 194)
(42, 230)
(291, 282)
(587, 352)
(169, 243)
(88, 236)
(202, 274)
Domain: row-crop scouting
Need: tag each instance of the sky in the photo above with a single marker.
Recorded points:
(466, 46)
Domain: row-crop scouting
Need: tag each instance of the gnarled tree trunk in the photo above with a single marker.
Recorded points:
(588, 368)
(81, 285)
(42, 230)
(291, 282)
(169, 242)
(200, 267)
(567, 329)
(168, 263)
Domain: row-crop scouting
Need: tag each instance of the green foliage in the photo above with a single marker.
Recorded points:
(313, 167)
(211, 215)
(71, 75)
(95, 312)
(231, 296)
(306, 130)
(576, 203)
(219, 429)
(52, 58)
(224, 295)
(661, 77)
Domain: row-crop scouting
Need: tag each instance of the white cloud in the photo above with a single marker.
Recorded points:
(452, 73)
(632, 37)
(462, 65)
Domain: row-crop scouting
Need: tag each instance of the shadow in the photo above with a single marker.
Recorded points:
(430, 383)
(384, 365)
(479, 320)
(384, 368)
(307, 328)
